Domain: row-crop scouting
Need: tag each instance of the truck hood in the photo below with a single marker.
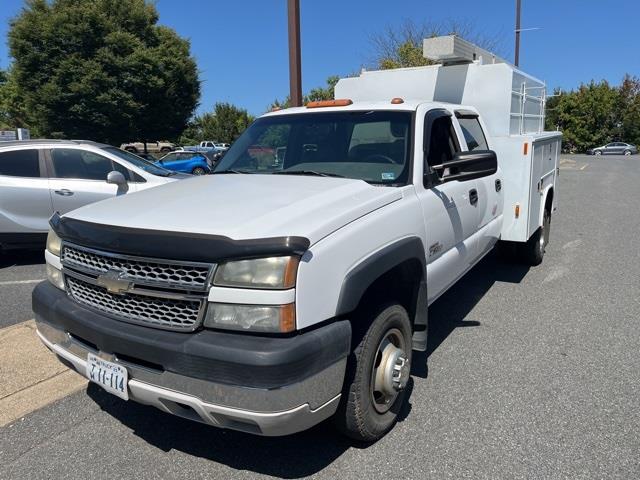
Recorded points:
(244, 206)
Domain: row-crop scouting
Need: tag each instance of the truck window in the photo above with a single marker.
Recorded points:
(20, 163)
(443, 142)
(373, 146)
(473, 133)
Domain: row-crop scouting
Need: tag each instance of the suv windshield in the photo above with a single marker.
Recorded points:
(373, 146)
(139, 162)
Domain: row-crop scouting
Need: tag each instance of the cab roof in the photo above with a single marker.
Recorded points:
(408, 105)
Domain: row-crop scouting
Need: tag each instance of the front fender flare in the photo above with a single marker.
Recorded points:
(372, 267)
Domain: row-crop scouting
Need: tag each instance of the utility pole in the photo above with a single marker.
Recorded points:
(517, 54)
(295, 74)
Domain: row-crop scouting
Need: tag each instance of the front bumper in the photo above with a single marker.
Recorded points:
(261, 385)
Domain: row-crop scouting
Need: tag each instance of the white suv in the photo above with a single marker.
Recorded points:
(40, 177)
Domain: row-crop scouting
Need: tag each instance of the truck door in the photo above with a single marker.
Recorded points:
(449, 209)
(490, 201)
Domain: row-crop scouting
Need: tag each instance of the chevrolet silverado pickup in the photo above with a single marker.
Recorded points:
(300, 288)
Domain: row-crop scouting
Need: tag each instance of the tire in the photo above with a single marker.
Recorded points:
(378, 370)
(131, 149)
(598, 153)
(532, 252)
(165, 149)
(627, 152)
(198, 171)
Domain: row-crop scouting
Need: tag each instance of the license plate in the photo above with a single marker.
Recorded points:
(110, 376)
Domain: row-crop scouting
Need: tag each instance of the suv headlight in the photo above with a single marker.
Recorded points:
(54, 244)
(271, 273)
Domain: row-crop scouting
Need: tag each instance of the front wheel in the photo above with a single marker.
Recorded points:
(131, 149)
(377, 375)
(165, 149)
(533, 250)
(198, 171)
(598, 153)
(627, 152)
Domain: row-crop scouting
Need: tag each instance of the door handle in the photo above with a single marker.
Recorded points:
(473, 196)
(64, 192)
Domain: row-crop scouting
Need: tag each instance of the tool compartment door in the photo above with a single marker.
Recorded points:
(544, 164)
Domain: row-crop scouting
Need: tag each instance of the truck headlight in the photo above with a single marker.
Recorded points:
(54, 244)
(255, 318)
(55, 276)
(272, 273)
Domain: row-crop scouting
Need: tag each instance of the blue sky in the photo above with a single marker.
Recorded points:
(241, 46)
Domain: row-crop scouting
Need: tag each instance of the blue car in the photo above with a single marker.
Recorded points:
(186, 162)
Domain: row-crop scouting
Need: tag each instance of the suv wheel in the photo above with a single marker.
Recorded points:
(377, 373)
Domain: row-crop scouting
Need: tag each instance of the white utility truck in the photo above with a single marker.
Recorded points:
(300, 293)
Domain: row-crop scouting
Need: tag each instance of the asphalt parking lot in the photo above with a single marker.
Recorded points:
(531, 373)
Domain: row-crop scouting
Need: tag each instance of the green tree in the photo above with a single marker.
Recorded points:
(102, 69)
(629, 108)
(12, 110)
(595, 114)
(224, 124)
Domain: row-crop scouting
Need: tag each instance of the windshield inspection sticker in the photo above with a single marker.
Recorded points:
(388, 176)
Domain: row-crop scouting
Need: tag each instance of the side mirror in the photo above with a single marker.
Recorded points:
(117, 178)
(468, 166)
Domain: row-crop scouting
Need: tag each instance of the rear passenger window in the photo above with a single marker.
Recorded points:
(473, 133)
(20, 163)
(74, 163)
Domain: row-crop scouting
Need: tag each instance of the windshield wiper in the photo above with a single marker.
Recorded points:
(308, 172)
(230, 170)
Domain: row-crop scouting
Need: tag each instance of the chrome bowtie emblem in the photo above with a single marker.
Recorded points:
(114, 283)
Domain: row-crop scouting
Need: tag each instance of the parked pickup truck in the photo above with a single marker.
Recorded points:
(154, 147)
(300, 291)
(207, 146)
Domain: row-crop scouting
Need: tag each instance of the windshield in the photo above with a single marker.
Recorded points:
(139, 162)
(373, 146)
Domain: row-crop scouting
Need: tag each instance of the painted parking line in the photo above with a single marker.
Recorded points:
(30, 375)
(21, 282)
(584, 166)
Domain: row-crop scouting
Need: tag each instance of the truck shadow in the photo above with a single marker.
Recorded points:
(12, 258)
(451, 309)
(295, 456)
(307, 452)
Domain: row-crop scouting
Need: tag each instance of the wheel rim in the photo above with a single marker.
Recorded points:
(391, 370)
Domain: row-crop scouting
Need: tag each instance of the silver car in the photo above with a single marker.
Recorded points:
(614, 148)
(40, 177)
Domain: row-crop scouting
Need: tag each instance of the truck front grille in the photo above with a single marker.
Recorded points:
(175, 274)
(171, 314)
(156, 293)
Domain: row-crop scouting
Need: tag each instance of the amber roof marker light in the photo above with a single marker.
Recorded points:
(397, 100)
(339, 102)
